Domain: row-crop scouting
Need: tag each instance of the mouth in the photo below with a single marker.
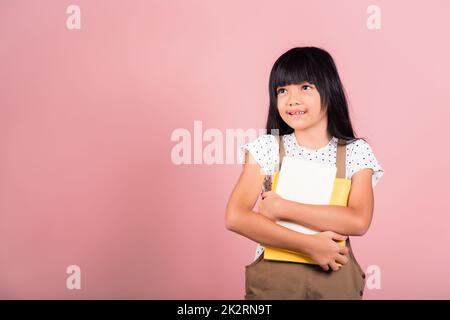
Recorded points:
(296, 114)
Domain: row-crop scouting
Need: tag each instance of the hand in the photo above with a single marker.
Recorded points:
(326, 252)
(271, 205)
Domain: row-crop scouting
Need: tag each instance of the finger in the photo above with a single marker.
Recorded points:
(344, 250)
(339, 237)
(334, 266)
(324, 267)
(342, 259)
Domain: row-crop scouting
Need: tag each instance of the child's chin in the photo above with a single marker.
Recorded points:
(296, 125)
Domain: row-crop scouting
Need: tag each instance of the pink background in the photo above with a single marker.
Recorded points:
(86, 175)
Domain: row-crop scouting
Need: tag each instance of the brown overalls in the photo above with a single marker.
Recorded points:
(266, 279)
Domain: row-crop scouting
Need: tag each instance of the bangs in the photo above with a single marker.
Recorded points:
(295, 68)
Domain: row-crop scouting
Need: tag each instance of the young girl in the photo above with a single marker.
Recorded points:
(308, 110)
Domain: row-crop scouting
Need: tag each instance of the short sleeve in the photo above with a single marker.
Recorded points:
(264, 150)
(362, 157)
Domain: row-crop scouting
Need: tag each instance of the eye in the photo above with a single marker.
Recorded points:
(278, 91)
(306, 85)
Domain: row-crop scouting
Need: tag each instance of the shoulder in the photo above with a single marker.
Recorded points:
(360, 155)
(267, 140)
(359, 145)
(360, 149)
(264, 150)
(264, 143)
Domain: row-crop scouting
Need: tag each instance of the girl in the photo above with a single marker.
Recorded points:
(308, 109)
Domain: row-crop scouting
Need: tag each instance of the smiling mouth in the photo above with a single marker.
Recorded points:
(296, 113)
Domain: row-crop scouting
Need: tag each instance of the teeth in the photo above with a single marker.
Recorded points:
(297, 113)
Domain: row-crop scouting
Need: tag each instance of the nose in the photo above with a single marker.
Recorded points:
(294, 99)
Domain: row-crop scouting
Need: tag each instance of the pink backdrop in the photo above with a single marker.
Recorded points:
(86, 175)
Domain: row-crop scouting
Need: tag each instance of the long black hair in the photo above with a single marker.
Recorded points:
(315, 66)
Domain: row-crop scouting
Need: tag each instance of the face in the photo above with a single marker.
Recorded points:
(294, 99)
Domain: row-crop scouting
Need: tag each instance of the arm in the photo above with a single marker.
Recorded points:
(240, 219)
(354, 219)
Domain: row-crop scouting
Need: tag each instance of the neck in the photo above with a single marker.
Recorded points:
(312, 138)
